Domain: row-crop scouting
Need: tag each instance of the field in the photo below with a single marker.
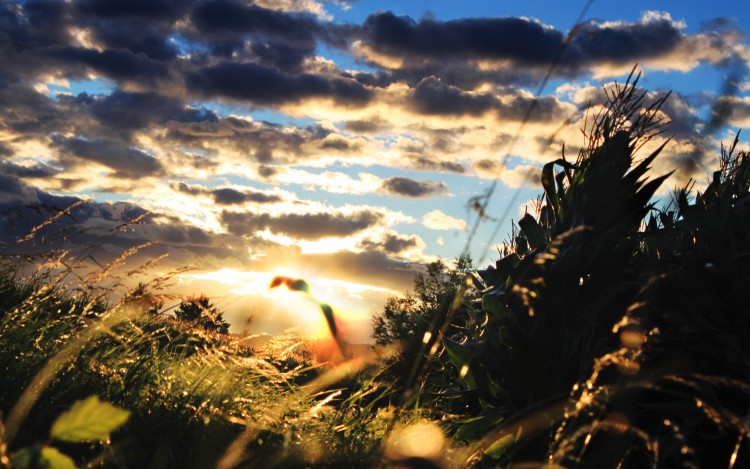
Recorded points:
(613, 331)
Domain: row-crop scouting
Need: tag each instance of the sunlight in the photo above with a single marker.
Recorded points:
(349, 300)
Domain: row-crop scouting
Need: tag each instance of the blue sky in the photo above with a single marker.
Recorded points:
(339, 141)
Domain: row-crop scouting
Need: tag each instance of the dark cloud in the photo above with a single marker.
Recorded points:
(116, 64)
(38, 24)
(282, 56)
(732, 109)
(447, 49)
(392, 243)
(307, 226)
(138, 37)
(132, 111)
(5, 150)
(13, 189)
(141, 9)
(487, 165)
(90, 228)
(453, 71)
(229, 196)
(425, 163)
(228, 16)
(521, 40)
(278, 38)
(432, 96)
(28, 112)
(267, 86)
(266, 171)
(371, 125)
(407, 187)
(38, 171)
(624, 43)
(126, 162)
(340, 144)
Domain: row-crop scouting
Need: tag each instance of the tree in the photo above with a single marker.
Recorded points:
(406, 318)
(199, 312)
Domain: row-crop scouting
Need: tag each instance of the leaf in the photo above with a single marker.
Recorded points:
(506, 265)
(494, 306)
(532, 231)
(476, 280)
(474, 426)
(548, 183)
(45, 457)
(500, 446)
(88, 420)
(460, 356)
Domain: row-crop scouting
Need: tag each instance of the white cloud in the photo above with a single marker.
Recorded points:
(437, 220)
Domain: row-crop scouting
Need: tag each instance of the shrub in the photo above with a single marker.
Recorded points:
(200, 312)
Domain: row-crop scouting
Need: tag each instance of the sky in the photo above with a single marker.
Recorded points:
(343, 142)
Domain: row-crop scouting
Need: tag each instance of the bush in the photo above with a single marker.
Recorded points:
(199, 312)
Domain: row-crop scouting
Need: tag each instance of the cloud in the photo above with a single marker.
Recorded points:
(303, 226)
(125, 162)
(432, 96)
(152, 9)
(265, 85)
(393, 243)
(127, 111)
(412, 49)
(424, 163)
(118, 64)
(437, 220)
(228, 195)
(735, 110)
(407, 187)
(525, 41)
(518, 176)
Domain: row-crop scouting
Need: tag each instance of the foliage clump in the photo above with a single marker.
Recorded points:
(200, 312)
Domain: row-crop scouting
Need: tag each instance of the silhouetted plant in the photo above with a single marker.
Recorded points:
(611, 342)
(200, 312)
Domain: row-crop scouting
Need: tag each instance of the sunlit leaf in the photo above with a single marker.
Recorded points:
(500, 446)
(45, 457)
(88, 420)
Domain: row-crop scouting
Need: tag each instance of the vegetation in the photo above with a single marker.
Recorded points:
(201, 313)
(406, 318)
(612, 332)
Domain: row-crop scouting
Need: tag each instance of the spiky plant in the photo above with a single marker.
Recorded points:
(573, 273)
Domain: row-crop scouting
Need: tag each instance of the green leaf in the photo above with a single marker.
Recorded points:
(460, 356)
(532, 231)
(506, 265)
(500, 446)
(494, 306)
(474, 426)
(88, 420)
(45, 457)
(548, 183)
(477, 281)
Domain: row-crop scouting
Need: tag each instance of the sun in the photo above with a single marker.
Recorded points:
(351, 302)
